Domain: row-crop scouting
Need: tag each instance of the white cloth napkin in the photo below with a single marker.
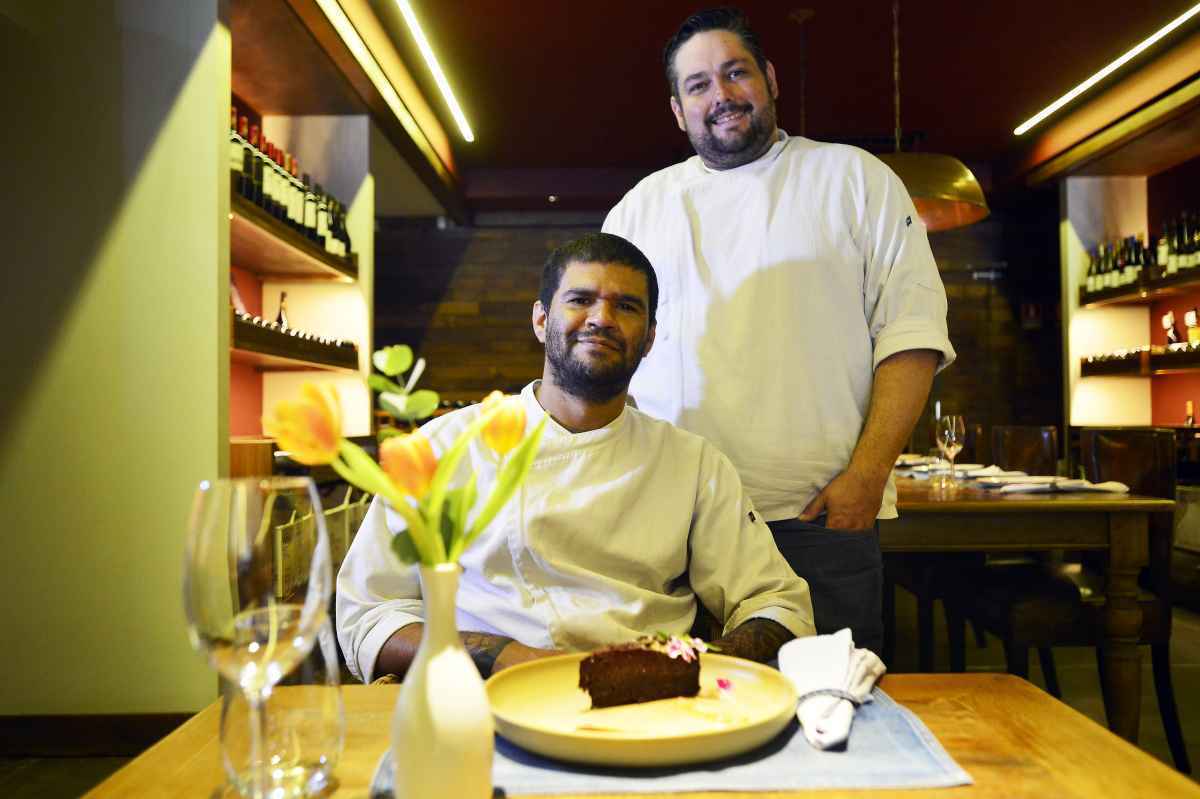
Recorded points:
(829, 664)
(1017, 485)
(993, 471)
(1109, 486)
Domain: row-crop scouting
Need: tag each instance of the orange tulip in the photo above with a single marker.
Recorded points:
(409, 463)
(507, 426)
(309, 429)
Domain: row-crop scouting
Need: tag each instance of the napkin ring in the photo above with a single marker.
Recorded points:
(835, 692)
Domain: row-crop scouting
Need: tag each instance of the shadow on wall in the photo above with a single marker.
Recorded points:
(71, 157)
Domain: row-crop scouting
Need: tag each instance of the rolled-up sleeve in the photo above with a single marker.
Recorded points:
(376, 593)
(903, 292)
(734, 566)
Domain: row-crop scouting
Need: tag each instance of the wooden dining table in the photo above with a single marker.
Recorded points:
(1014, 740)
(968, 519)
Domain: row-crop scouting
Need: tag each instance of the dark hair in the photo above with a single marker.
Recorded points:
(725, 18)
(597, 248)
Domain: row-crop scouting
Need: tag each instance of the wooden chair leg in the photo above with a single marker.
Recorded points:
(980, 634)
(1017, 659)
(1049, 673)
(1101, 669)
(956, 637)
(1160, 658)
(925, 635)
(889, 617)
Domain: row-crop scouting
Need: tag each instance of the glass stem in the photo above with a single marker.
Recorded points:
(256, 710)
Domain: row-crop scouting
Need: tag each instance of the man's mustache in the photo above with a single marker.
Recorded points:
(577, 338)
(725, 108)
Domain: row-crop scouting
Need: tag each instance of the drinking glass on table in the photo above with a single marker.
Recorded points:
(951, 433)
(256, 585)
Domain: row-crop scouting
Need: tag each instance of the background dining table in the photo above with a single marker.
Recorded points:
(1012, 738)
(968, 519)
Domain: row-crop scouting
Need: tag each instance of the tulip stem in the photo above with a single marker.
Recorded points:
(375, 481)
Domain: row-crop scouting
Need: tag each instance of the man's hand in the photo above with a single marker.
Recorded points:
(850, 501)
(755, 639)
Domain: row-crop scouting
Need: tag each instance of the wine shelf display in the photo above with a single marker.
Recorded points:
(1144, 362)
(261, 244)
(269, 347)
(1142, 293)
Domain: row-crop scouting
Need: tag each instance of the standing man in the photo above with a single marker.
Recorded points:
(801, 317)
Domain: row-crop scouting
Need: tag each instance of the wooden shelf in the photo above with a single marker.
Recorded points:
(1133, 366)
(271, 351)
(1178, 283)
(260, 243)
(1144, 364)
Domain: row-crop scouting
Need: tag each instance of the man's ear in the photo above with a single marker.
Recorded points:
(539, 321)
(678, 112)
(649, 339)
(772, 84)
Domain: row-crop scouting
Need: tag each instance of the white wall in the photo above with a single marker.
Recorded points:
(115, 325)
(1096, 209)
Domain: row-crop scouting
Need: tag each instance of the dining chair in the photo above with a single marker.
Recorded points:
(1047, 605)
(922, 574)
(1033, 450)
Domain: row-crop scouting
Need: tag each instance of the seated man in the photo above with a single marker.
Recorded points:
(623, 523)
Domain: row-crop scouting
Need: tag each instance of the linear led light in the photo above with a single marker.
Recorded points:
(345, 29)
(436, 68)
(1108, 70)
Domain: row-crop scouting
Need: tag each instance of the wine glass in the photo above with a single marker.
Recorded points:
(951, 434)
(256, 585)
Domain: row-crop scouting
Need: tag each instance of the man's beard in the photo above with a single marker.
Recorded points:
(743, 147)
(589, 380)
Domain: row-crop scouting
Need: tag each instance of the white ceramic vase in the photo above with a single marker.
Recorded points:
(442, 734)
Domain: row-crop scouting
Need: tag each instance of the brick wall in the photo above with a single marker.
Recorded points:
(461, 297)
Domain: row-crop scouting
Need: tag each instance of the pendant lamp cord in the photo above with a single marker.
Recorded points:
(896, 67)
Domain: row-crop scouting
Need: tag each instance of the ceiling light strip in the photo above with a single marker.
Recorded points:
(436, 68)
(358, 48)
(1108, 70)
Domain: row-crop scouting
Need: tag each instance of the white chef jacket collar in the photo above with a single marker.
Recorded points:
(557, 436)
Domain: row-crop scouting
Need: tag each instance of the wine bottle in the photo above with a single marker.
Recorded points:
(322, 218)
(1089, 282)
(1195, 239)
(281, 317)
(235, 151)
(1163, 250)
(310, 208)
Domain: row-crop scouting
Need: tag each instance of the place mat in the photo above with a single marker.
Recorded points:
(889, 747)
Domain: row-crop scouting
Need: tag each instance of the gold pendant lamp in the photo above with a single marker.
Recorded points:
(943, 189)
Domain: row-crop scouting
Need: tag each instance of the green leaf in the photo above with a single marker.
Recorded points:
(393, 360)
(405, 549)
(512, 474)
(381, 384)
(422, 403)
(460, 508)
(447, 465)
(389, 432)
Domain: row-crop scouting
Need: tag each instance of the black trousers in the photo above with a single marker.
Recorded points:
(844, 570)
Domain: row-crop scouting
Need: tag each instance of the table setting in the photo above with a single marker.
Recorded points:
(816, 720)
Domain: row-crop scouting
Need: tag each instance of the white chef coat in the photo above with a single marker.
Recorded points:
(613, 535)
(783, 283)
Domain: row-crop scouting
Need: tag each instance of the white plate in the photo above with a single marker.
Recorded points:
(539, 706)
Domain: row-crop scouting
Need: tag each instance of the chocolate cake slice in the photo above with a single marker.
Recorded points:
(638, 672)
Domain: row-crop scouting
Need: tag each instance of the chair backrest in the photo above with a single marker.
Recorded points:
(974, 446)
(1033, 450)
(1143, 459)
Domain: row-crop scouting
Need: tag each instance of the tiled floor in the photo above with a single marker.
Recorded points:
(69, 777)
